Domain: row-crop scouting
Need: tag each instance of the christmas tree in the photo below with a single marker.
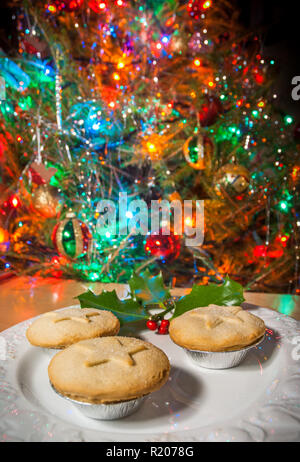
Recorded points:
(159, 100)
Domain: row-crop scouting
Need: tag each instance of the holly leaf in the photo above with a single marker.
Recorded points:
(228, 293)
(128, 310)
(149, 289)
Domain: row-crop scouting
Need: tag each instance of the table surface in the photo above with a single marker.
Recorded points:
(22, 298)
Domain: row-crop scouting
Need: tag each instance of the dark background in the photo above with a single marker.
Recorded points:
(276, 22)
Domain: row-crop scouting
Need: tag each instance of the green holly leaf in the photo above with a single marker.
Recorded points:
(128, 310)
(228, 293)
(149, 289)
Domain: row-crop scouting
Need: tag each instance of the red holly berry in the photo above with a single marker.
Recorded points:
(165, 323)
(152, 325)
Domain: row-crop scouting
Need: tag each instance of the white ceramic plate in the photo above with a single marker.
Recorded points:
(257, 401)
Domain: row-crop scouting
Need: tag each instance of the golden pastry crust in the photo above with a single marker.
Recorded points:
(108, 369)
(216, 328)
(58, 329)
